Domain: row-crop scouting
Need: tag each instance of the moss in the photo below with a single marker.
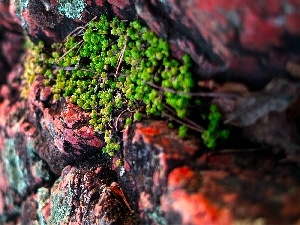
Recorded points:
(34, 65)
(182, 131)
(214, 132)
(118, 67)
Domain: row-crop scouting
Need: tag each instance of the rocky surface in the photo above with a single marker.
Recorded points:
(52, 170)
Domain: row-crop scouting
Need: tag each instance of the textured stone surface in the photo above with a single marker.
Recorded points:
(52, 169)
(83, 196)
(228, 187)
(151, 151)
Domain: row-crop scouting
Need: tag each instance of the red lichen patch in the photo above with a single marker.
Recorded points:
(69, 136)
(73, 114)
(162, 137)
(148, 132)
(145, 202)
(195, 209)
(99, 3)
(45, 93)
(180, 177)
(33, 24)
(67, 124)
(28, 129)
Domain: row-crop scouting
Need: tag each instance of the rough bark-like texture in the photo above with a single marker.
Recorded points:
(52, 169)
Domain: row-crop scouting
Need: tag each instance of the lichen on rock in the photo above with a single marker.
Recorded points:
(71, 8)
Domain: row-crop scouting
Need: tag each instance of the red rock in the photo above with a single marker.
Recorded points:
(195, 209)
(269, 33)
(292, 23)
(180, 177)
(151, 151)
(89, 191)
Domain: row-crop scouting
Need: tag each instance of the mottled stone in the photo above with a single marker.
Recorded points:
(84, 195)
(63, 124)
(151, 151)
(173, 185)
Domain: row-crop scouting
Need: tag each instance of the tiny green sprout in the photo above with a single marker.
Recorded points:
(119, 162)
(137, 116)
(171, 125)
(128, 121)
(182, 131)
(214, 133)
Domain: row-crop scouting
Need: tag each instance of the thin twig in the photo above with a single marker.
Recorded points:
(72, 32)
(195, 94)
(239, 113)
(192, 123)
(79, 28)
(120, 74)
(68, 68)
(183, 123)
(67, 52)
(120, 59)
(79, 48)
(117, 120)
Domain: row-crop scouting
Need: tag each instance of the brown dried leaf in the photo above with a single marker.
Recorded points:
(268, 116)
(293, 69)
(245, 111)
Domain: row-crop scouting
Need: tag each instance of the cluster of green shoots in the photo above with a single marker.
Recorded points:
(118, 67)
(213, 131)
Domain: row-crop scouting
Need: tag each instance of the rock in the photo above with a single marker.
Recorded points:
(151, 151)
(173, 185)
(52, 169)
(83, 195)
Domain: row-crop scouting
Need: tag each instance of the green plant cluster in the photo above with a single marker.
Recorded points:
(112, 68)
(34, 64)
(115, 67)
(214, 133)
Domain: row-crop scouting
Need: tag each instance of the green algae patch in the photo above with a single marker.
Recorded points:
(117, 70)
